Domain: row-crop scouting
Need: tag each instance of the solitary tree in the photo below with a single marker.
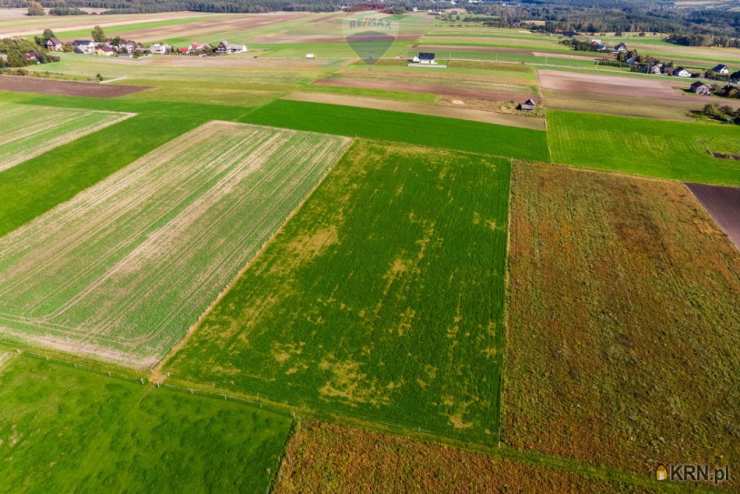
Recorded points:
(98, 35)
(35, 8)
(48, 34)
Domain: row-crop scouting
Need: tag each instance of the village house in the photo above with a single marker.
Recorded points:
(528, 105)
(31, 57)
(226, 48)
(105, 50)
(310, 56)
(620, 48)
(735, 78)
(681, 72)
(159, 49)
(3, 58)
(84, 46)
(656, 69)
(53, 44)
(598, 45)
(721, 69)
(700, 88)
(425, 58)
(199, 48)
(127, 48)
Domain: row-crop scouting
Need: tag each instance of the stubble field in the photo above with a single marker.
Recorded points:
(622, 337)
(381, 299)
(29, 131)
(122, 270)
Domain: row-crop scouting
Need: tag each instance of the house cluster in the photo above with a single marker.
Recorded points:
(111, 48)
(129, 48)
(729, 90)
(198, 49)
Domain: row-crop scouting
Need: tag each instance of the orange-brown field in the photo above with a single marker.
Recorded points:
(330, 458)
(623, 317)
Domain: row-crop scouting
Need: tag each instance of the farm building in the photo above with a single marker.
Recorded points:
(528, 105)
(700, 88)
(227, 48)
(53, 44)
(310, 56)
(721, 69)
(735, 78)
(425, 58)
(84, 46)
(621, 47)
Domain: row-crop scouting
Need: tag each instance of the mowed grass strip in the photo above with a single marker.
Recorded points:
(381, 299)
(412, 128)
(63, 429)
(122, 270)
(674, 150)
(28, 130)
(324, 457)
(622, 345)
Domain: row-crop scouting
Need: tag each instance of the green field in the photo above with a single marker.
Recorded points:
(63, 429)
(405, 127)
(92, 275)
(28, 131)
(381, 299)
(674, 150)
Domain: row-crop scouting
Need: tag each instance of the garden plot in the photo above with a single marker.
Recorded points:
(125, 268)
(28, 130)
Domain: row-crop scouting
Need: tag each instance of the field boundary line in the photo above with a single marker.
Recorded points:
(651, 178)
(505, 310)
(156, 375)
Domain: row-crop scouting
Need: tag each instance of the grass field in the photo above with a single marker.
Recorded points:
(395, 126)
(674, 150)
(29, 131)
(622, 342)
(63, 429)
(123, 269)
(356, 461)
(381, 299)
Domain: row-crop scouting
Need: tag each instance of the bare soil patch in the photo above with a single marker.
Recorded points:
(723, 204)
(331, 458)
(65, 88)
(453, 111)
(580, 83)
(640, 96)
